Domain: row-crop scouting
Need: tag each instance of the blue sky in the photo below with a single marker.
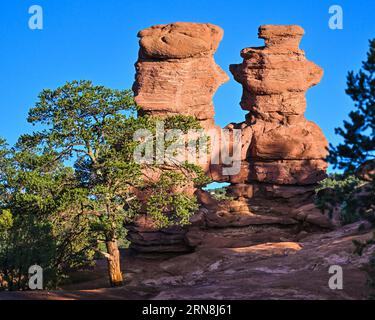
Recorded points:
(96, 40)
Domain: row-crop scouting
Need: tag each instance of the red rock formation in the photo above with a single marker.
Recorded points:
(176, 71)
(285, 148)
(175, 74)
(282, 156)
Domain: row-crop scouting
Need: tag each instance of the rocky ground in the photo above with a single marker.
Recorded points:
(284, 270)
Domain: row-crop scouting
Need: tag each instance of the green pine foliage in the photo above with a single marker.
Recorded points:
(340, 192)
(72, 186)
(351, 191)
(358, 132)
(355, 197)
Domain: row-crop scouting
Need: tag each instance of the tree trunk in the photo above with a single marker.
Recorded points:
(114, 268)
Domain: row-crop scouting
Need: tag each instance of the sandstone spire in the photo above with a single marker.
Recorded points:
(283, 146)
(176, 72)
(282, 159)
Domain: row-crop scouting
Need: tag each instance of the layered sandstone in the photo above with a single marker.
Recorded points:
(282, 156)
(176, 72)
(271, 270)
(282, 153)
(284, 147)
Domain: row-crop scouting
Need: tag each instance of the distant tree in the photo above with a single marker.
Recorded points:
(4, 167)
(358, 133)
(356, 154)
(353, 190)
(92, 127)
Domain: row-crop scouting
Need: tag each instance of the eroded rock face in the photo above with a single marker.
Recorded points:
(274, 80)
(176, 74)
(284, 270)
(271, 270)
(146, 238)
(176, 71)
(282, 153)
(282, 156)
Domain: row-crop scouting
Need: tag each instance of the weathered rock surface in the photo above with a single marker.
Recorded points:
(280, 172)
(274, 80)
(300, 141)
(282, 156)
(283, 270)
(145, 237)
(176, 71)
(282, 153)
(256, 214)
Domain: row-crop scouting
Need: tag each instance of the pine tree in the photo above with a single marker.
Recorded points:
(92, 127)
(358, 146)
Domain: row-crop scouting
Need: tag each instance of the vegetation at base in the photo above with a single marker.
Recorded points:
(68, 190)
(340, 192)
(220, 194)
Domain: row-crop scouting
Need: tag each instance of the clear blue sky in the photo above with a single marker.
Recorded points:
(96, 40)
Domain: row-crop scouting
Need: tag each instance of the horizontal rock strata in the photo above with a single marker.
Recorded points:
(282, 153)
(176, 72)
